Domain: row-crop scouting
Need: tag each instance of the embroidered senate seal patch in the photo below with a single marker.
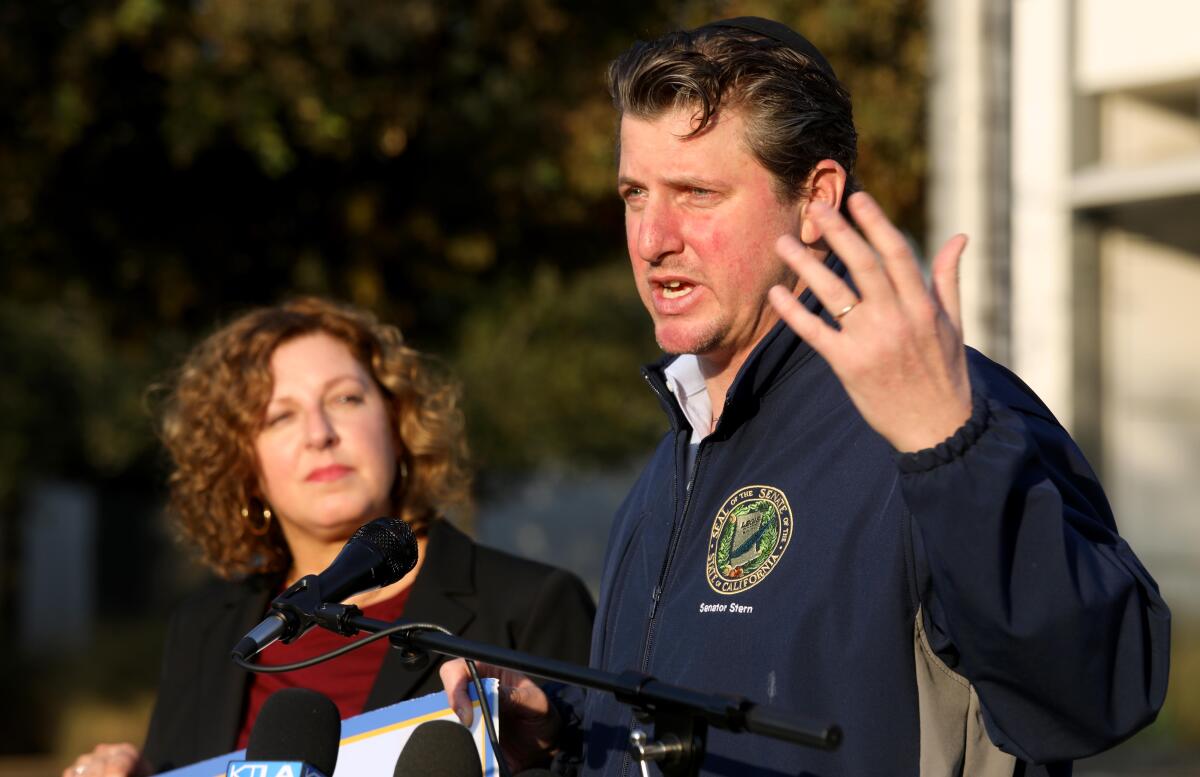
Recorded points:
(749, 535)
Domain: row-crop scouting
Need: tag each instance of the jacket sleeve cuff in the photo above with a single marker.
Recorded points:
(953, 446)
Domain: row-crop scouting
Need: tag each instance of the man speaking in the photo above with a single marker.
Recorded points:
(852, 517)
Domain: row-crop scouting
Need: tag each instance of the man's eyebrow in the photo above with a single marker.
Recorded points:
(694, 182)
(679, 182)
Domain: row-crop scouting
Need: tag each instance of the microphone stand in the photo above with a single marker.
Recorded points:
(680, 716)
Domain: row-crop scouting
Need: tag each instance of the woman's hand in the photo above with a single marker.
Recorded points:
(529, 723)
(120, 760)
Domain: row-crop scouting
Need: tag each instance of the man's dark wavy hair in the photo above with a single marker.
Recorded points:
(796, 112)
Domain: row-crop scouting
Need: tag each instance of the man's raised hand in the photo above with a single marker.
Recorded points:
(898, 349)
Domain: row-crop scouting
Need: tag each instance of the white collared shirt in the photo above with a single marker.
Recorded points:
(686, 382)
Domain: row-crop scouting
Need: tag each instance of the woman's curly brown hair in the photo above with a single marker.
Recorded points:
(215, 408)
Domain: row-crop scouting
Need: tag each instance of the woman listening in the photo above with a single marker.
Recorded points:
(288, 429)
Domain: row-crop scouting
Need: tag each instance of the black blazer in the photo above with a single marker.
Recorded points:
(474, 591)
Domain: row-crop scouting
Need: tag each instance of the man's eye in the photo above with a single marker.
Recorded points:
(633, 193)
(696, 191)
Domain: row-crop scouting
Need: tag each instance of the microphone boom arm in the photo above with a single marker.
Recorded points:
(652, 697)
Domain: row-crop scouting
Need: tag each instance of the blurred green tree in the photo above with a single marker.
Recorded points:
(164, 164)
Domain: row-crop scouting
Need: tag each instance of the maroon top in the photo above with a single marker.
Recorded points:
(346, 679)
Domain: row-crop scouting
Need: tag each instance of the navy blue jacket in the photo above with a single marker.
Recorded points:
(958, 610)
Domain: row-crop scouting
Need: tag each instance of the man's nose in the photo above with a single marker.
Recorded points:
(658, 232)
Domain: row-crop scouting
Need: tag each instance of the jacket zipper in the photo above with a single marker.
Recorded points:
(676, 533)
(672, 544)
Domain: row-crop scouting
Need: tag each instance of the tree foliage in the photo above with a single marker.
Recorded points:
(449, 164)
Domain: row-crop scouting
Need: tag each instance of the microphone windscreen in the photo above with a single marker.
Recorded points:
(296, 724)
(394, 539)
(439, 748)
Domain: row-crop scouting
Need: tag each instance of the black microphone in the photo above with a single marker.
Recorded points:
(439, 748)
(378, 554)
(297, 727)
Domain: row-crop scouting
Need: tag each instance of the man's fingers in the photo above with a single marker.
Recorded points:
(526, 698)
(897, 256)
(946, 287)
(831, 290)
(868, 274)
(518, 693)
(456, 679)
(809, 327)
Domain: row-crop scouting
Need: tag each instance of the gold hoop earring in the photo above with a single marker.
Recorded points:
(258, 531)
(399, 484)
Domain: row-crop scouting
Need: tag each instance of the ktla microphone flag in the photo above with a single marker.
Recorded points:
(371, 742)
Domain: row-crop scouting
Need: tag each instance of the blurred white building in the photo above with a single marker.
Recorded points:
(1065, 139)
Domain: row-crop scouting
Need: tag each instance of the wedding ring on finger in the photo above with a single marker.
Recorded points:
(838, 315)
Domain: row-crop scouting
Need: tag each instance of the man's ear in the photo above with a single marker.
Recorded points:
(827, 185)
